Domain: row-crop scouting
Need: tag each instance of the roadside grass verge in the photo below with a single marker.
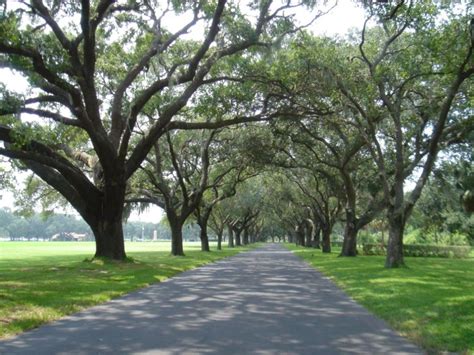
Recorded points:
(431, 302)
(43, 281)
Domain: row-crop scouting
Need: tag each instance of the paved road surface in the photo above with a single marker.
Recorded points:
(266, 301)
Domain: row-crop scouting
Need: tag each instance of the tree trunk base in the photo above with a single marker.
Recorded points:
(349, 245)
(394, 264)
(109, 241)
(395, 242)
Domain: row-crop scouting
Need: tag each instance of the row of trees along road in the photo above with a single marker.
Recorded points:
(255, 126)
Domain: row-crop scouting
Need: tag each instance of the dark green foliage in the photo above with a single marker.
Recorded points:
(459, 252)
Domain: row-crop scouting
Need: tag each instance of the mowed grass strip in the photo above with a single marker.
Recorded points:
(431, 301)
(44, 281)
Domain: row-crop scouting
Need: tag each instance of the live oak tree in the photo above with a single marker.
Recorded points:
(93, 69)
(276, 217)
(399, 93)
(287, 212)
(175, 176)
(218, 222)
(320, 139)
(222, 185)
(326, 147)
(191, 171)
(230, 161)
(187, 175)
(323, 198)
(413, 93)
(369, 99)
(245, 208)
(324, 137)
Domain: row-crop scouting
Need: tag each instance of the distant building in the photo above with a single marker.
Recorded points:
(69, 237)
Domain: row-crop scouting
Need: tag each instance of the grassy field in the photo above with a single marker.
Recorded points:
(41, 282)
(431, 301)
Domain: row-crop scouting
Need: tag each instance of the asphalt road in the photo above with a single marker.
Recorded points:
(266, 301)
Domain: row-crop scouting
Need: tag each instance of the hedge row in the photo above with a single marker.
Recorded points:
(421, 250)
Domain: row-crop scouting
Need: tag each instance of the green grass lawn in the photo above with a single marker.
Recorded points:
(43, 281)
(431, 301)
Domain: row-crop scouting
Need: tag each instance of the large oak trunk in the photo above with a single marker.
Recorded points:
(326, 242)
(299, 234)
(176, 238)
(238, 241)
(245, 238)
(349, 245)
(316, 243)
(109, 241)
(204, 237)
(106, 223)
(396, 223)
(231, 237)
(309, 230)
(219, 239)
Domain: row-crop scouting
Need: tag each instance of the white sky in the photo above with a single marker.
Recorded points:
(344, 16)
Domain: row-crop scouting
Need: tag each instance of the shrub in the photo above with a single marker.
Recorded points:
(421, 250)
(450, 251)
(419, 236)
(374, 249)
(365, 236)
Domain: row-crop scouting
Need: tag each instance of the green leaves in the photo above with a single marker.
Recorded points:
(10, 102)
(9, 29)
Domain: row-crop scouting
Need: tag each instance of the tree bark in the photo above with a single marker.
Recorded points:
(219, 239)
(317, 237)
(326, 242)
(176, 237)
(238, 241)
(349, 245)
(396, 225)
(231, 236)
(300, 234)
(245, 239)
(203, 235)
(105, 220)
(309, 230)
(109, 242)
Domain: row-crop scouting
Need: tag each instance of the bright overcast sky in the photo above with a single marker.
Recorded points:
(339, 20)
